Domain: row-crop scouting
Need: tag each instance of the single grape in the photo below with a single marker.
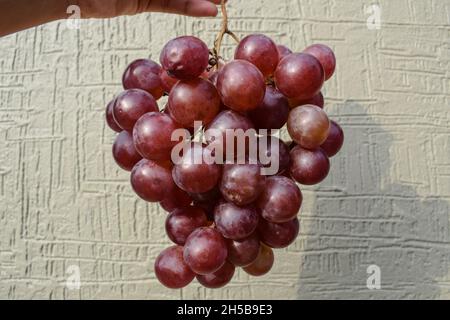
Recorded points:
(271, 149)
(180, 223)
(259, 50)
(278, 235)
(144, 74)
(242, 183)
(194, 100)
(272, 113)
(124, 152)
(283, 51)
(235, 222)
(308, 126)
(152, 135)
(263, 262)
(317, 100)
(280, 201)
(193, 174)
(241, 86)
(176, 199)
(131, 105)
(243, 252)
(299, 76)
(335, 140)
(171, 270)
(309, 167)
(205, 251)
(151, 180)
(185, 57)
(326, 57)
(110, 121)
(219, 278)
(167, 81)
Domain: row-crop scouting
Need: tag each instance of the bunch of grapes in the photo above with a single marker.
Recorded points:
(224, 216)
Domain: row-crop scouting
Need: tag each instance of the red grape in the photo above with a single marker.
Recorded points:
(335, 140)
(194, 100)
(299, 76)
(144, 74)
(205, 251)
(263, 262)
(152, 135)
(110, 121)
(326, 57)
(185, 57)
(235, 222)
(241, 184)
(309, 167)
(151, 180)
(180, 223)
(243, 252)
(176, 199)
(272, 113)
(171, 270)
(278, 235)
(283, 51)
(259, 50)
(167, 81)
(193, 174)
(280, 201)
(308, 126)
(317, 100)
(131, 105)
(124, 151)
(271, 149)
(241, 85)
(219, 278)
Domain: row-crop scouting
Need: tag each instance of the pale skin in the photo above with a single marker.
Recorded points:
(17, 15)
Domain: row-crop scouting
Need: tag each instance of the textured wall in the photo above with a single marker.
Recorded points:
(63, 202)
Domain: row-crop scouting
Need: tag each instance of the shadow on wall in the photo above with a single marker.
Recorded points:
(362, 218)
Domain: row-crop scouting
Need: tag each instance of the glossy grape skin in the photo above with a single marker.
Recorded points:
(185, 57)
(283, 51)
(334, 141)
(152, 135)
(308, 126)
(219, 278)
(181, 222)
(325, 56)
(205, 251)
(144, 74)
(131, 105)
(110, 121)
(167, 81)
(124, 152)
(175, 199)
(194, 100)
(278, 235)
(243, 252)
(272, 113)
(171, 270)
(242, 183)
(241, 86)
(299, 76)
(309, 167)
(193, 174)
(259, 50)
(269, 150)
(151, 180)
(263, 262)
(317, 100)
(280, 201)
(235, 222)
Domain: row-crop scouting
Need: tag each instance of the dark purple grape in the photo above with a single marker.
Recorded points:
(326, 57)
(110, 121)
(283, 51)
(309, 167)
(335, 140)
(263, 262)
(278, 235)
(176, 199)
(180, 223)
(205, 251)
(280, 201)
(171, 270)
(131, 105)
(185, 57)
(235, 222)
(144, 74)
(272, 113)
(243, 252)
(271, 149)
(317, 100)
(219, 278)
(124, 151)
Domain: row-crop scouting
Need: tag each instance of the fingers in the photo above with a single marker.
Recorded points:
(194, 8)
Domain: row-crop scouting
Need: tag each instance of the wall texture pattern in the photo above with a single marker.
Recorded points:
(64, 204)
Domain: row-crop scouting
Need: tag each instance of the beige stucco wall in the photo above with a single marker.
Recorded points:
(63, 202)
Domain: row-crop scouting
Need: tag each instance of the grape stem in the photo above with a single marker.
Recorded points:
(224, 30)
